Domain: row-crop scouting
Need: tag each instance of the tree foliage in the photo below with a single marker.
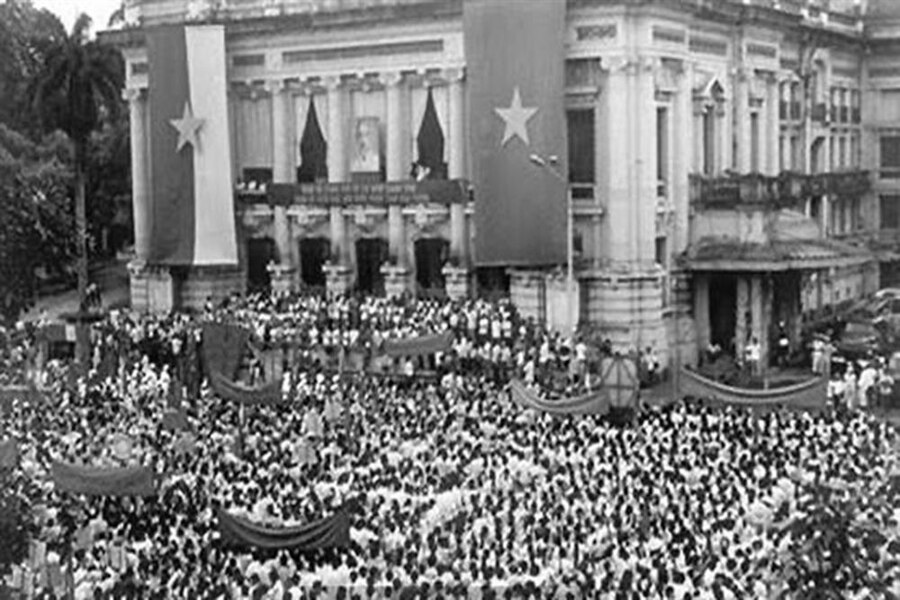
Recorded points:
(35, 212)
(841, 540)
(79, 84)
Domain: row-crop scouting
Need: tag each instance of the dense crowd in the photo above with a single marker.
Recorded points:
(461, 493)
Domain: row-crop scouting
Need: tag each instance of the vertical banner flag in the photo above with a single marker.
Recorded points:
(515, 66)
(192, 206)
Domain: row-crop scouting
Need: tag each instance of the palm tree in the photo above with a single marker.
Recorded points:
(80, 83)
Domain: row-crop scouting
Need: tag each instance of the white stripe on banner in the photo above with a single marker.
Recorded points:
(215, 238)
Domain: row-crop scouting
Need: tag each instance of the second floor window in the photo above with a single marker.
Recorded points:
(890, 157)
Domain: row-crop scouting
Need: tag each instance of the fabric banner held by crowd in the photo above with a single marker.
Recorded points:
(595, 403)
(223, 346)
(94, 481)
(808, 395)
(10, 394)
(268, 393)
(175, 419)
(330, 532)
(418, 346)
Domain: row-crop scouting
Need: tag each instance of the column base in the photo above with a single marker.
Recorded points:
(338, 279)
(456, 282)
(528, 293)
(626, 308)
(162, 288)
(282, 277)
(397, 281)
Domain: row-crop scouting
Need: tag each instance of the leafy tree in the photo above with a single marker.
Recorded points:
(836, 544)
(35, 209)
(79, 84)
(25, 33)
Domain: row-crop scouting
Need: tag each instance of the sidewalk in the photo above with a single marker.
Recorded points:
(110, 276)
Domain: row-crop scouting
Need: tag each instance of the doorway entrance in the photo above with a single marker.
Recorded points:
(431, 254)
(723, 311)
(260, 252)
(313, 255)
(371, 253)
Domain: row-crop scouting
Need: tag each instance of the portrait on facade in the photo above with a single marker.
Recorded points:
(366, 146)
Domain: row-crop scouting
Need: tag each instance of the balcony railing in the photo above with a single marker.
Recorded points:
(451, 191)
(785, 190)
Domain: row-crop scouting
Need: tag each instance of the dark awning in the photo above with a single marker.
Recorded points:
(777, 255)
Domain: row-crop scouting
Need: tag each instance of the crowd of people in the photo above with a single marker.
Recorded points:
(461, 493)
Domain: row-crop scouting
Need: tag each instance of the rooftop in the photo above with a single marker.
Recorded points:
(827, 13)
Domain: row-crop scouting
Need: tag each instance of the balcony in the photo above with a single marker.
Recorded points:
(785, 190)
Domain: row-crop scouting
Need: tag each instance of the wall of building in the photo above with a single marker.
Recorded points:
(674, 90)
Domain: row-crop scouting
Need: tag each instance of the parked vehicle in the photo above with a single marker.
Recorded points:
(859, 339)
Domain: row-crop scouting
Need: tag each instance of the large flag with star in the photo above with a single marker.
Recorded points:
(192, 209)
(515, 81)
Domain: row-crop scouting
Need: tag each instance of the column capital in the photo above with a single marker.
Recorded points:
(620, 64)
(391, 78)
(275, 86)
(132, 94)
(333, 83)
(455, 74)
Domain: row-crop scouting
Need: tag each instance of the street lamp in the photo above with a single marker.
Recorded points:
(549, 164)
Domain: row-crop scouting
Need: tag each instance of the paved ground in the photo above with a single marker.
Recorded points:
(111, 276)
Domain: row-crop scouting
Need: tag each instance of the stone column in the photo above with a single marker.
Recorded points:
(742, 307)
(682, 159)
(282, 165)
(338, 234)
(337, 164)
(337, 156)
(396, 161)
(742, 119)
(773, 126)
(456, 168)
(617, 168)
(644, 204)
(701, 309)
(140, 198)
(758, 325)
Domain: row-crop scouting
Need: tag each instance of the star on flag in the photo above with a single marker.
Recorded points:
(516, 118)
(187, 127)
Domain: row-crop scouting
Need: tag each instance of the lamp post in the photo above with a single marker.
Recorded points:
(549, 164)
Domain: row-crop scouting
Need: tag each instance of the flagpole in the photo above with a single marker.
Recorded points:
(548, 165)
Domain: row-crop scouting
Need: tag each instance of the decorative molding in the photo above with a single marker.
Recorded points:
(362, 51)
(846, 72)
(883, 72)
(601, 31)
(248, 60)
(669, 35)
(790, 64)
(764, 50)
(708, 45)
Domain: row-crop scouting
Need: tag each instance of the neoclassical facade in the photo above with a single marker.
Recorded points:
(725, 172)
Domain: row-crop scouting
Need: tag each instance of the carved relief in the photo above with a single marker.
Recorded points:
(600, 31)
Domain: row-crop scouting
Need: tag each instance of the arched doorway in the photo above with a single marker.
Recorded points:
(431, 254)
(371, 253)
(313, 255)
(260, 252)
(723, 312)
